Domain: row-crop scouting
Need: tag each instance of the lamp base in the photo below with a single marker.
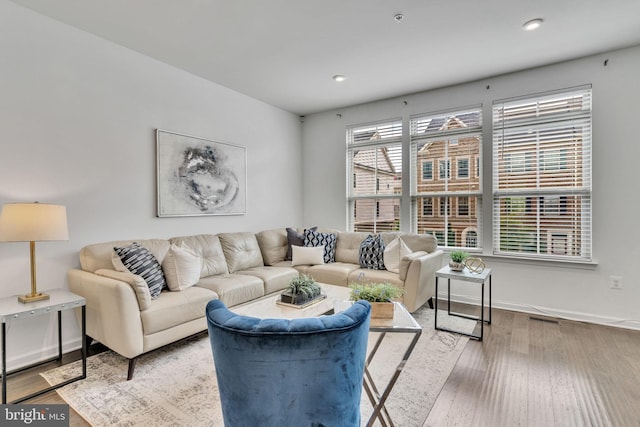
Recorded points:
(33, 297)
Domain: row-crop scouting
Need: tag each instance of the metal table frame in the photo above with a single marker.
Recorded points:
(403, 322)
(465, 276)
(59, 301)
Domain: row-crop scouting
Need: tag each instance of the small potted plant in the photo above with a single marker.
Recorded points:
(457, 260)
(380, 295)
(301, 290)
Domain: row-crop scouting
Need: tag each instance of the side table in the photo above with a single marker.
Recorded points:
(402, 322)
(11, 310)
(464, 276)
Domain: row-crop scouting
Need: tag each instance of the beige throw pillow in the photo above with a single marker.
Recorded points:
(181, 267)
(307, 255)
(393, 253)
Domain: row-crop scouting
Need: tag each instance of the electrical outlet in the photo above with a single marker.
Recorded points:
(615, 282)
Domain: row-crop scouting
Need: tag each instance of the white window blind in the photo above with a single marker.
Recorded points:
(374, 163)
(542, 176)
(447, 199)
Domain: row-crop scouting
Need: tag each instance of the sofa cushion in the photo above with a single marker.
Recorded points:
(233, 289)
(307, 255)
(175, 308)
(294, 238)
(336, 273)
(274, 278)
(372, 252)
(328, 240)
(96, 256)
(348, 246)
(181, 267)
(393, 253)
(273, 245)
(208, 248)
(140, 261)
(241, 250)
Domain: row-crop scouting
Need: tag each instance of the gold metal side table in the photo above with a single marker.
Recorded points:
(12, 310)
(464, 276)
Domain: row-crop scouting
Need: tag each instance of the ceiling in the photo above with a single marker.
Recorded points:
(285, 52)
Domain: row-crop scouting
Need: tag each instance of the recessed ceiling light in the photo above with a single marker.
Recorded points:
(533, 24)
(339, 78)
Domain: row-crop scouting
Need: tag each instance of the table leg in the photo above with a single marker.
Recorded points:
(482, 312)
(435, 305)
(60, 336)
(489, 299)
(4, 363)
(84, 342)
(385, 394)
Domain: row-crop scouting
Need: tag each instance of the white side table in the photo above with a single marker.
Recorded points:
(464, 276)
(12, 310)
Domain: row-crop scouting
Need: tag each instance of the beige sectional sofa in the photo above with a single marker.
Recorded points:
(235, 268)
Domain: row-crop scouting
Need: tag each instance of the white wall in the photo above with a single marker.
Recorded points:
(78, 116)
(565, 290)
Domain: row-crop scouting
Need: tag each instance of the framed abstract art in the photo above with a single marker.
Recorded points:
(197, 176)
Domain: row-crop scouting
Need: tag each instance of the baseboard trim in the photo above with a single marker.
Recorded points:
(546, 311)
(41, 354)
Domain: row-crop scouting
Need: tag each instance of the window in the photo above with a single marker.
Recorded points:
(444, 206)
(463, 206)
(427, 206)
(374, 159)
(446, 139)
(463, 168)
(542, 176)
(427, 170)
(444, 169)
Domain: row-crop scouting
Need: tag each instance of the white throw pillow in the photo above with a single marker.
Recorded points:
(181, 267)
(393, 253)
(307, 255)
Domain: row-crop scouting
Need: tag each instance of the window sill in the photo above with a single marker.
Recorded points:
(561, 263)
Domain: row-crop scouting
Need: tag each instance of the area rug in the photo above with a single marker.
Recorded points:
(176, 385)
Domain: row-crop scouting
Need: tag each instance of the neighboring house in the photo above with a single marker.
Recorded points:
(449, 165)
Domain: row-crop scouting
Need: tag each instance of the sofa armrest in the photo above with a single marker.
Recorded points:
(137, 283)
(420, 279)
(113, 312)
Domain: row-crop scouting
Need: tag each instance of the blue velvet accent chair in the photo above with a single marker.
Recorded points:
(282, 373)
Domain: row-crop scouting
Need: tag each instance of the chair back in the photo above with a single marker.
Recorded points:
(301, 372)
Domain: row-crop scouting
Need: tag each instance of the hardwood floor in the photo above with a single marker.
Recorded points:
(547, 372)
(526, 372)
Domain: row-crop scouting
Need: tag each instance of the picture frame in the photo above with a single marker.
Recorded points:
(198, 176)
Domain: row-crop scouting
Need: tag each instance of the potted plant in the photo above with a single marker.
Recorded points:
(457, 260)
(380, 295)
(301, 290)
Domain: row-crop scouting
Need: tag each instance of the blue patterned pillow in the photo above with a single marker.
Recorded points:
(328, 240)
(138, 260)
(372, 253)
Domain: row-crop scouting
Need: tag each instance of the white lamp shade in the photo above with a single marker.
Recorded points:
(31, 222)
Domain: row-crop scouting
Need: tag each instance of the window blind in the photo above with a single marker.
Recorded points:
(374, 163)
(542, 176)
(446, 190)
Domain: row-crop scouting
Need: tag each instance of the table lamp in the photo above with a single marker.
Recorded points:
(31, 222)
